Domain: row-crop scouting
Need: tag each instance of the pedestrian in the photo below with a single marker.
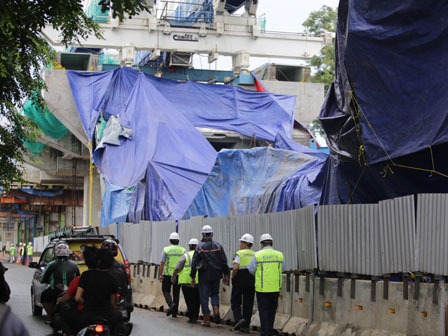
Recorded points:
(19, 256)
(267, 265)
(10, 323)
(29, 253)
(210, 261)
(168, 260)
(243, 285)
(23, 255)
(191, 294)
(12, 253)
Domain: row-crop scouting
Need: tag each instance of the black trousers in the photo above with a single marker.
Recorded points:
(166, 290)
(245, 296)
(267, 307)
(191, 296)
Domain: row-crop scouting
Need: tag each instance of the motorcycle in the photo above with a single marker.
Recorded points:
(100, 328)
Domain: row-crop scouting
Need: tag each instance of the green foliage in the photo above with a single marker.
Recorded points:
(319, 22)
(24, 52)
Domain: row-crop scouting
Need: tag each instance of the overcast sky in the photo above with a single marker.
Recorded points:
(281, 15)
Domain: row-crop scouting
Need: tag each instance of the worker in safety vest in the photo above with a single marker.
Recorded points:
(243, 285)
(12, 253)
(191, 294)
(23, 254)
(267, 265)
(29, 252)
(168, 261)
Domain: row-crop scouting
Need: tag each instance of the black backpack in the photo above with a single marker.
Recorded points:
(5, 291)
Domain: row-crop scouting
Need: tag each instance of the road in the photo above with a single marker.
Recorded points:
(145, 322)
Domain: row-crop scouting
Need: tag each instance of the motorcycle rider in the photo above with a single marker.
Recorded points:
(118, 271)
(58, 273)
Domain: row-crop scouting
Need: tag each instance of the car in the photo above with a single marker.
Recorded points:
(76, 238)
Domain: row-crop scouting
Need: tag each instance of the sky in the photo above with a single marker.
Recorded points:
(282, 16)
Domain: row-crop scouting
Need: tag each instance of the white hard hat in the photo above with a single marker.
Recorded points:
(29, 243)
(193, 241)
(247, 238)
(174, 236)
(265, 236)
(207, 229)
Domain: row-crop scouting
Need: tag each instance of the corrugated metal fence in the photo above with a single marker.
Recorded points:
(394, 236)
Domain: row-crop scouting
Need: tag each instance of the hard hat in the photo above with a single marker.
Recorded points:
(247, 238)
(29, 243)
(207, 229)
(174, 236)
(193, 241)
(265, 236)
(111, 245)
(62, 250)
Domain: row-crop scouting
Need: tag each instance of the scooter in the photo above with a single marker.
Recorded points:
(100, 328)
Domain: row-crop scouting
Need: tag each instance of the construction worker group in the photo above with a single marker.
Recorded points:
(199, 272)
(25, 253)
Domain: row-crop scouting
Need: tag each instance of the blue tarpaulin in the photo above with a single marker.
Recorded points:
(226, 107)
(115, 205)
(385, 116)
(259, 180)
(165, 150)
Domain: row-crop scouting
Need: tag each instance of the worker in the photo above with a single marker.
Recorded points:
(243, 285)
(12, 253)
(168, 261)
(210, 261)
(267, 265)
(191, 294)
(23, 255)
(19, 256)
(29, 253)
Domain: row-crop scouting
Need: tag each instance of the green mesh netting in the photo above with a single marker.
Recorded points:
(47, 122)
(35, 147)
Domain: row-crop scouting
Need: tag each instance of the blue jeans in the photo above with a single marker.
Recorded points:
(208, 289)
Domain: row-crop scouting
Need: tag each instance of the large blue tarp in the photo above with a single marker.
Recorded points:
(391, 75)
(165, 150)
(115, 204)
(226, 107)
(259, 180)
(385, 116)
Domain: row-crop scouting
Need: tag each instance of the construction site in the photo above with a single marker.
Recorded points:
(139, 139)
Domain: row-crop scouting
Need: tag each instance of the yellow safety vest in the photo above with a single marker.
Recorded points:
(30, 250)
(172, 256)
(268, 275)
(184, 275)
(245, 258)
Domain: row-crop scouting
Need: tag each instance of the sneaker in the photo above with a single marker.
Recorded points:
(170, 310)
(217, 319)
(239, 324)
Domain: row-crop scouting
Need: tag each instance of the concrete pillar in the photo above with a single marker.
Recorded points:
(97, 198)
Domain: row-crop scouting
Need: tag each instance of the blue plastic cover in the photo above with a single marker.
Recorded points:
(259, 180)
(391, 77)
(48, 193)
(225, 107)
(165, 149)
(116, 203)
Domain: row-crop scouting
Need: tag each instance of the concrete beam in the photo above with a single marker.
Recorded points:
(69, 145)
(61, 103)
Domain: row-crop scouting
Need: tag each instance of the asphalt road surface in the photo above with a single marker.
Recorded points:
(145, 322)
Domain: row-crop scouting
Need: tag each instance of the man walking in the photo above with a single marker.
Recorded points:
(12, 253)
(23, 255)
(170, 256)
(243, 285)
(191, 294)
(267, 265)
(29, 253)
(210, 261)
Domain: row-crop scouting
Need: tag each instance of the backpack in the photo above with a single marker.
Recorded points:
(5, 291)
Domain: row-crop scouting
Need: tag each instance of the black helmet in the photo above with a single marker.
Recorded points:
(110, 244)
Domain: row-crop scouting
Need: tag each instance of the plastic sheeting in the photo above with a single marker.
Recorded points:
(116, 204)
(390, 75)
(226, 107)
(259, 180)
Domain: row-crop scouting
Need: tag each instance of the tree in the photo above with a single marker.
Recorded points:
(322, 65)
(24, 52)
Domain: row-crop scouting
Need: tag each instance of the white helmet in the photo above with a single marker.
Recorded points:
(193, 241)
(207, 229)
(265, 236)
(247, 238)
(29, 243)
(174, 236)
(62, 250)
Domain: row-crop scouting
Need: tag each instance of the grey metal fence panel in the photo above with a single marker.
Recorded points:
(349, 239)
(432, 233)
(305, 233)
(397, 235)
(189, 229)
(145, 241)
(159, 238)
